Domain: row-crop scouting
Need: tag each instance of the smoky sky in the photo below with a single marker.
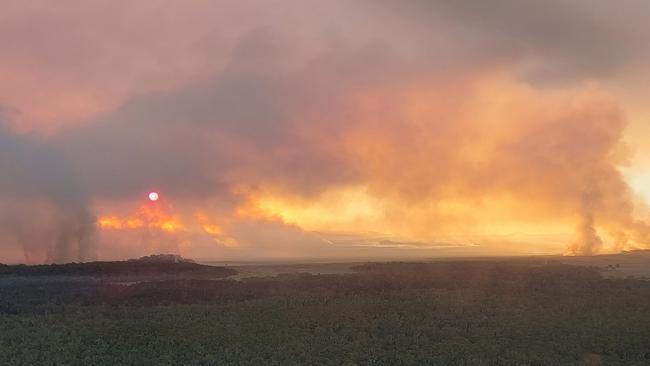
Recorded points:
(422, 104)
(556, 39)
(42, 203)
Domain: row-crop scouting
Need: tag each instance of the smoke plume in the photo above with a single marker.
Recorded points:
(42, 207)
(273, 131)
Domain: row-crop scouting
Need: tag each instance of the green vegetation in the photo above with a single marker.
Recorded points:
(448, 313)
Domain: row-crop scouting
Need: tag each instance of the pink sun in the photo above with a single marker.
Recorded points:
(153, 196)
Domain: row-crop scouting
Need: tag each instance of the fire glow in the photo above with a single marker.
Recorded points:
(147, 216)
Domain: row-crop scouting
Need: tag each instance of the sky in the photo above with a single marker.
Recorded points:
(294, 129)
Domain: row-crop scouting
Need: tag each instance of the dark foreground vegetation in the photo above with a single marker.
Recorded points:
(151, 266)
(448, 313)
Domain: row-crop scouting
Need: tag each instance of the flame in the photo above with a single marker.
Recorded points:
(156, 217)
(110, 222)
(147, 216)
(134, 223)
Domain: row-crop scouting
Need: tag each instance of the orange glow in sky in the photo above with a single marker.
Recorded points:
(152, 217)
(341, 125)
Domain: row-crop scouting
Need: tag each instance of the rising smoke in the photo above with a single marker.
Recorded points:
(42, 206)
(449, 117)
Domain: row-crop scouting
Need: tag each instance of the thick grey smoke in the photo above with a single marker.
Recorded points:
(43, 209)
(587, 241)
(561, 40)
(422, 104)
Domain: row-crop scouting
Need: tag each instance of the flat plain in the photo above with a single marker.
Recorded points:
(480, 311)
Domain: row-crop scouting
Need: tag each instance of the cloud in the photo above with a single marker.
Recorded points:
(414, 126)
(550, 40)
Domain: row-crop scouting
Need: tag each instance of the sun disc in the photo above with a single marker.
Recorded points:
(153, 196)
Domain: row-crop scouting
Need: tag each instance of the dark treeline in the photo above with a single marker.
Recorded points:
(145, 266)
(488, 277)
(446, 313)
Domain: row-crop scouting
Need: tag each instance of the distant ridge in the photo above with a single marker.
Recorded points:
(636, 251)
(162, 258)
(153, 265)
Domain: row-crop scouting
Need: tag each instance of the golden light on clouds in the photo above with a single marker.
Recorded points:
(278, 133)
(509, 160)
(333, 210)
